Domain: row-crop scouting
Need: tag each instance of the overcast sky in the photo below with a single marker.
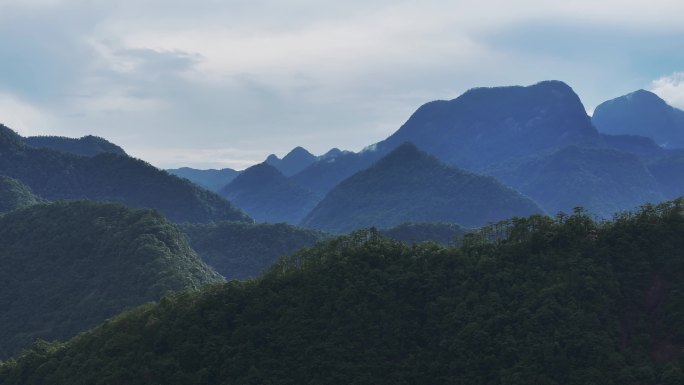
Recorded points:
(224, 83)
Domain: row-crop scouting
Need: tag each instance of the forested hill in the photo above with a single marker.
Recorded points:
(55, 175)
(531, 301)
(68, 266)
(15, 195)
(86, 146)
(410, 185)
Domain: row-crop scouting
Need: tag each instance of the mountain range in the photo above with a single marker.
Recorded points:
(56, 174)
(410, 185)
(537, 139)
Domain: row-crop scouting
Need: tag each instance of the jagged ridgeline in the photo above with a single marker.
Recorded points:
(67, 266)
(531, 301)
(56, 174)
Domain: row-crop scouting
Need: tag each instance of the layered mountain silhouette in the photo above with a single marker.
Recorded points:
(68, 266)
(210, 179)
(295, 161)
(410, 185)
(86, 146)
(55, 175)
(267, 195)
(642, 113)
(481, 129)
(603, 181)
(15, 195)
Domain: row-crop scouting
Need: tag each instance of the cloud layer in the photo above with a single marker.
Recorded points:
(224, 83)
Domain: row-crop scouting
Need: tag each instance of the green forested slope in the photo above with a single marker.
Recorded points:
(412, 232)
(531, 301)
(14, 195)
(67, 266)
(242, 250)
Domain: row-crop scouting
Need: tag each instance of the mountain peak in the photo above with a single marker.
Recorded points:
(488, 126)
(641, 113)
(292, 163)
(409, 185)
(258, 173)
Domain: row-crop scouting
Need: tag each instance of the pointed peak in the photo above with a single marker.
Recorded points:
(272, 159)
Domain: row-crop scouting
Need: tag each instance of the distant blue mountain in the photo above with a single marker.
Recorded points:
(479, 130)
(489, 126)
(603, 181)
(211, 179)
(642, 113)
(292, 163)
(267, 195)
(409, 185)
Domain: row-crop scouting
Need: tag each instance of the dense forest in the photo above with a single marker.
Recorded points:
(529, 300)
(417, 232)
(239, 250)
(15, 195)
(67, 266)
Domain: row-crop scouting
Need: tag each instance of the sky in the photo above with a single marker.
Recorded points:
(224, 83)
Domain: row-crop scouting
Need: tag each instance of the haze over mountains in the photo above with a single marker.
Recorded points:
(501, 296)
(537, 139)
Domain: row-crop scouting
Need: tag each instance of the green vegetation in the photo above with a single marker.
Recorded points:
(243, 250)
(440, 232)
(410, 185)
(68, 266)
(56, 175)
(532, 300)
(15, 195)
(86, 146)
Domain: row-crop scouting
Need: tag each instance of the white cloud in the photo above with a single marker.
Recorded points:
(670, 88)
(22, 117)
(274, 74)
